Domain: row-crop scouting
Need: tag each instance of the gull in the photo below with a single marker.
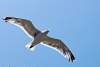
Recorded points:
(39, 37)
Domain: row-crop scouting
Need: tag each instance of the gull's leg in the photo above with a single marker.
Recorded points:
(29, 45)
(33, 44)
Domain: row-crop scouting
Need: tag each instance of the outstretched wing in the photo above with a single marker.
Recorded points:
(24, 24)
(29, 27)
(60, 46)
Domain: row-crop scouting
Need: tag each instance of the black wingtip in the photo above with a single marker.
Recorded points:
(72, 58)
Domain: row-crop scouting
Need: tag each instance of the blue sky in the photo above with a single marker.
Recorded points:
(76, 22)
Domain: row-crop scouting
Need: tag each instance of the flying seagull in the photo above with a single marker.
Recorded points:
(40, 37)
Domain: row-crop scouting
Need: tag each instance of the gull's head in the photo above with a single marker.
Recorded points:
(12, 20)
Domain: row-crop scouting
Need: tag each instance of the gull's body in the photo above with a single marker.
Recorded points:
(40, 37)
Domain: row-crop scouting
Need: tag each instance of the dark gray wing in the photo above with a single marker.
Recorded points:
(29, 27)
(59, 45)
(24, 24)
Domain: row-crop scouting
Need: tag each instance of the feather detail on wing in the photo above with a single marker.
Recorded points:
(30, 28)
(60, 46)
